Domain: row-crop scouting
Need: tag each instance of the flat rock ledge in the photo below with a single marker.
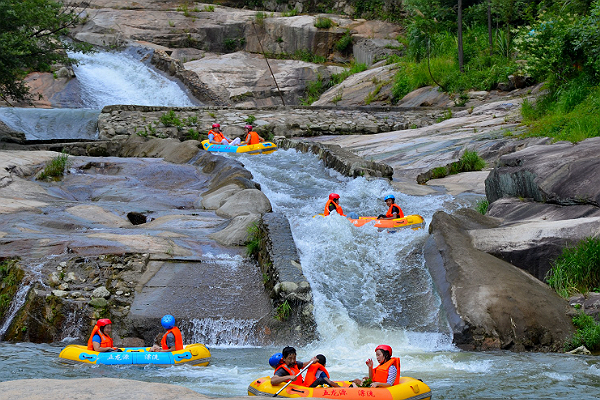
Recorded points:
(490, 304)
(96, 388)
(343, 161)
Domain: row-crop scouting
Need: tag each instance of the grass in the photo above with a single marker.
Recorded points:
(283, 311)
(587, 333)
(253, 245)
(10, 277)
(55, 168)
(577, 269)
(323, 23)
(482, 206)
(469, 161)
(171, 119)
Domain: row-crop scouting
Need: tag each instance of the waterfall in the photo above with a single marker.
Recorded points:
(46, 124)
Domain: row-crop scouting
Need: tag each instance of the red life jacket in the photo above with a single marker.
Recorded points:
(390, 211)
(338, 208)
(311, 373)
(292, 371)
(252, 138)
(380, 372)
(105, 341)
(218, 136)
(178, 340)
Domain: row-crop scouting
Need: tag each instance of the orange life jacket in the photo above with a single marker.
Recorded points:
(105, 341)
(218, 136)
(252, 138)
(292, 371)
(390, 211)
(380, 372)
(311, 373)
(178, 340)
(338, 208)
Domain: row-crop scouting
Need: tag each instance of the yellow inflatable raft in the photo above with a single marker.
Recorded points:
(264, 148)
(191, 354)
(413, 222)
(407, 389)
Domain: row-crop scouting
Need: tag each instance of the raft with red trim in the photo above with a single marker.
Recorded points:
(192, 354)
(413, 222)
(260, 148)
(406, 389)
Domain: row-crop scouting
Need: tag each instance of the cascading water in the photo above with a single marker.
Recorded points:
(104, 78)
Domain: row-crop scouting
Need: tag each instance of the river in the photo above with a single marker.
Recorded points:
(369, 288)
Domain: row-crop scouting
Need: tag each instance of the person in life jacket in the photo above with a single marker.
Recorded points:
(394, 211)
(100, 339)
(317, 375)
(333, 204)
(387, 373)
(288, 368)
(251, 136)
(215, 136)
(172, 339)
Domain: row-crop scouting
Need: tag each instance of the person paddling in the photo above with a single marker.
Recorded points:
(172, 339)
(394, 211)
(288, 369)
(100, 339)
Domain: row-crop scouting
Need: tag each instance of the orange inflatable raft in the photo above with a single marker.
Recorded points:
(410, 221)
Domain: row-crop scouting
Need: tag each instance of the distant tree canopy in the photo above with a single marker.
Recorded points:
(31, 33)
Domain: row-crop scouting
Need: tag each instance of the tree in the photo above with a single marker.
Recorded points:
(31, 39)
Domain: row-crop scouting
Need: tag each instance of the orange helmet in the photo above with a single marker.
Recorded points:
(334, 196)
(384, 347)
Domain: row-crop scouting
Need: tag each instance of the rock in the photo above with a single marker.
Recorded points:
(10, 135)
(489, 302)
(60, 293)
(248, 201)
(580, 350)
(236, 232)
(214, 200)
(101, 292)
(98, 302)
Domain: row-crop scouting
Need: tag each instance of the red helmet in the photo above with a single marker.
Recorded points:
(103, 322)
(216, 126)
(333, 196)
(248, 127)
(384, 347)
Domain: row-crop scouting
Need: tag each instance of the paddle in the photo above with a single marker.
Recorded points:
(300, 373)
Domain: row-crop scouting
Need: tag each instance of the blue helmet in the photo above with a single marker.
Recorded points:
(168, 321)
(389, 196)
(275, 360)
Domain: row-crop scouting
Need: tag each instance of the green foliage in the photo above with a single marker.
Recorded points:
(470, 161)
(323, 23)
(250, 120)
(171, 119)
(302, 54)
(366, 383)
(577, 269)
(291, 13)
(210, 8)
(344, 42)
(354, 69)
(233, 44)
(10, 278)
(482, 206)
(55, 168)
(587, 333)
(446, 115)
(314, 90)
(253, 245)
(259, 18)
(30, 40)
(283, 311)
(439, 172)
(193, 134)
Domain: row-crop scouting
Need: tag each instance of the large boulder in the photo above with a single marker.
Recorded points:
(236, 232)
(562, 173)
(248, 201)
(490, 304)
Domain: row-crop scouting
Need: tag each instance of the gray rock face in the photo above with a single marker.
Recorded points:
(490, 303)
(236, 232)
(248, 201)
(562, 173)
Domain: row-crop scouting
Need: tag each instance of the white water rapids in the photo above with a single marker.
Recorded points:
(369, 288)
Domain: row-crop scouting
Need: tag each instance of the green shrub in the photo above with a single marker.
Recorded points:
(344, 42)
(470, 161)
(439, 172)
(253, 245)
(587, 333)
(447, 115)
(259, 18)
(323, 23)
(55, 168)
(577, 269)
(193, 134)
(354, 69)
(10, 278)
(291, 13)
(283, 311)
(250, 120)
(210, 8)
(482, 206)
(171, 119)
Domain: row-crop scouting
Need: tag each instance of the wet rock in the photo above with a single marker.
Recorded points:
(98, 302)
(136, 218)
(214, 200)
(490, 302)
(248, 201)
(101, 292)
(580, 350)
(236, 232)
(60, 293)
